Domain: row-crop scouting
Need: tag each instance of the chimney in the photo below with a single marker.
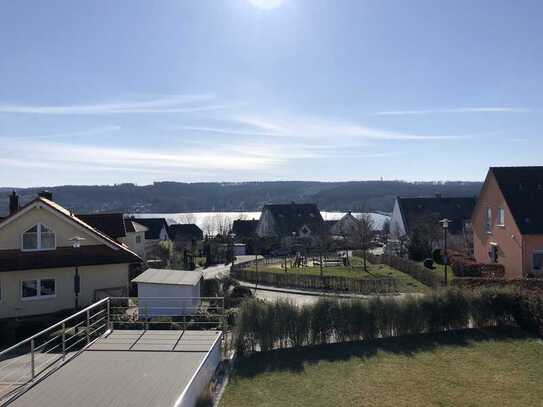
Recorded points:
(46, 194)
(13, 203)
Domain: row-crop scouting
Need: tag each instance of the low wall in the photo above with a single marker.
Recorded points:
(312, 282)
(528, 284)
(202, 377)
(415, 270)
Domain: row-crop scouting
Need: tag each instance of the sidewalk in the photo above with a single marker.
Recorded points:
(296, 291)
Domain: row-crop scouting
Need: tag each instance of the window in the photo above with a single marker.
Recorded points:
(488, 220)
(537, 261)
(500, 221)
(39, 237)
(32, 289)
(493, 253)
(138, 239)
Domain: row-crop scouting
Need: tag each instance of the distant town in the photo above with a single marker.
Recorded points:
(120, 281)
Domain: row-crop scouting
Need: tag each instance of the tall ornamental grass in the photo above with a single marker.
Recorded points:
(263, 326)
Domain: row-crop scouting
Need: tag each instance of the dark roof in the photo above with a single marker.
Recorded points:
(244, 228)
(292, 217)
(522, 188)
(187, 231)
(154, 225)
(86, 255)
(456, 209)
(112, 224)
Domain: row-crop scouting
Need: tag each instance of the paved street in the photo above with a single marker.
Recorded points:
(224, 269)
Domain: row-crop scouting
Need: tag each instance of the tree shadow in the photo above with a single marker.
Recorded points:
(294, 359)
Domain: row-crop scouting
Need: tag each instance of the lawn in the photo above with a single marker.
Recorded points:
(406, 283)
(471, 368)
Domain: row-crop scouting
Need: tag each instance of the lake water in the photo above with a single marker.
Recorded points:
(202, 218)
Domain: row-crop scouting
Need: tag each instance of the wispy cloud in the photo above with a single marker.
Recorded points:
(167, 104)
(74, 134)
(333, 130)
(68, 156)
(236, 132)
(455, 110)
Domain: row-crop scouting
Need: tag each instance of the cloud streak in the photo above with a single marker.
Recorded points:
(334, 131)
(454, 110)
(168, 104)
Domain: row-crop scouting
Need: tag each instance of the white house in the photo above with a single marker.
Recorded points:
(168, 292)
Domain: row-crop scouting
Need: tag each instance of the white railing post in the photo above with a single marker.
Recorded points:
(88, 327)
(63, 340)
(108, 310)
(32, 365)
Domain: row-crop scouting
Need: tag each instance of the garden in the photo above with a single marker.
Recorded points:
(355, 270)
(449, 347)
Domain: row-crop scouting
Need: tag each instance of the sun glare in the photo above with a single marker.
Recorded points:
(266, 4)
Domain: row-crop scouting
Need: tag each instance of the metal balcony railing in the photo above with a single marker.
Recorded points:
(29, 360)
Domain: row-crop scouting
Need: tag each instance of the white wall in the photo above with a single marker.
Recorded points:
(397, 227)
(167, 299)
(202, 378)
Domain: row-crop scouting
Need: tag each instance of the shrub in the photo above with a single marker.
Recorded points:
(265, 326)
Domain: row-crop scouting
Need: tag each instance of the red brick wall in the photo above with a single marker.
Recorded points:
(508, 237)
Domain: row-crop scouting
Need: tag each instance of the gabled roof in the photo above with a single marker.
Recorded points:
(522, 189)
(244, 228)
(132, 226)
(154, 225)
(112, 224)
(116, 250)
(182, 231)
(290, 218)
(171, 277)
(456, 209)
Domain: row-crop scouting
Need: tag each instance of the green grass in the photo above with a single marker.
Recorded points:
(469, 368)
(406, 283)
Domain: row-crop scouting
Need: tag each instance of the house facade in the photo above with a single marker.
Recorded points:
(38, 261)
(115, 226)
(290, 221)
(508, 222)
(410, 213)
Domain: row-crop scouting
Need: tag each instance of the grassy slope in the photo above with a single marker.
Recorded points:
(406, 282)
(472, 368)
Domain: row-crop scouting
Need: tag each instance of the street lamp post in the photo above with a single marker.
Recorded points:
(76, 244)
(445, 225)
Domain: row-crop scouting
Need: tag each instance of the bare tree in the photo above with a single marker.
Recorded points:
(385, 231)
(223, 225)
(362, 235)
(208, 226)
(187, 218)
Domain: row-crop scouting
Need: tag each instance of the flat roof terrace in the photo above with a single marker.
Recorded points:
(143, 368)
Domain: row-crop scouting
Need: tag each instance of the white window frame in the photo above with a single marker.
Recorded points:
(39, 248)
(38, 289)
(500, 218)
(534, 253)
(488, 220)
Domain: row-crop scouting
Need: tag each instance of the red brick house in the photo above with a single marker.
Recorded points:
(508, 221)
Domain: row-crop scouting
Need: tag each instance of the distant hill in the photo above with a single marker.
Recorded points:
(172, 197)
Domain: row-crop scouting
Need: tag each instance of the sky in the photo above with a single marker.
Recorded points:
(104, 92)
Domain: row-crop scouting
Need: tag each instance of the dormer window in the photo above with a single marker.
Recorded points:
(39, 237)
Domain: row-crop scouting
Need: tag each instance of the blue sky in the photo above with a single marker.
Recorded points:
(105, 92)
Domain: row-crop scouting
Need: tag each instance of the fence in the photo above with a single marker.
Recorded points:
(415, 270)
(25, 361)
(312, 282)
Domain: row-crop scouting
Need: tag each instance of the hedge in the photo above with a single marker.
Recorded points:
(414, 269)
(263, 326)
